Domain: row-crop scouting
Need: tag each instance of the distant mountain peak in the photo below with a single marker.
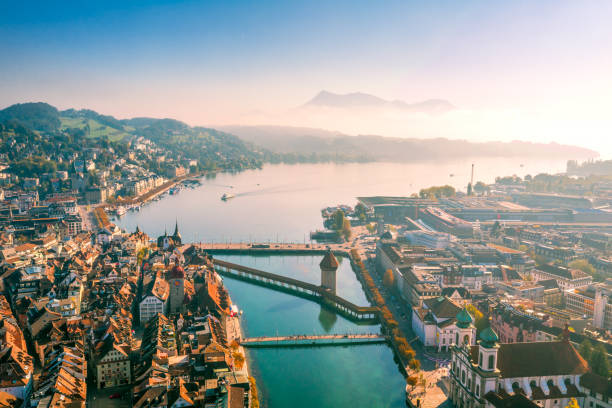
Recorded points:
(359, 99)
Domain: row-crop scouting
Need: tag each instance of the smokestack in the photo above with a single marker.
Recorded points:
(472, 178)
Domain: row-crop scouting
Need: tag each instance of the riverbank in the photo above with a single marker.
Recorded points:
(234, 335)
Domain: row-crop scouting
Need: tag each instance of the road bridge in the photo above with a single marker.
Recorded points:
(313, 340)
(273, 248)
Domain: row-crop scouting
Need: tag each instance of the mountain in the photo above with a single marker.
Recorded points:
(308, 141)
(363, 100)
(38, 116)
(41, 130)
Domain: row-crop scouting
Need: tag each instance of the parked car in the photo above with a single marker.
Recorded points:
(114, 396)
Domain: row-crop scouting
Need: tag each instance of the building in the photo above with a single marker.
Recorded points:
(513, 325)
(592, 302)
(429, 239)
(166, 241)
(418, 283)
(598, 391)
(155, 298)
(442, 221)
(176, 281)
(440, 323)
(566, 278)
(492, 374)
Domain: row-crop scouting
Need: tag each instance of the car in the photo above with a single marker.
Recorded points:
(114, 396)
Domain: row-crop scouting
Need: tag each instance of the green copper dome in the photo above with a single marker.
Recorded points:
(488, 337)
(464, 319)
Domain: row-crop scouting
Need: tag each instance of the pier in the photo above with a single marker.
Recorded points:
(365, 314)
(313, 341)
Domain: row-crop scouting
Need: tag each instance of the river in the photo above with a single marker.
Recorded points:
(283, 203)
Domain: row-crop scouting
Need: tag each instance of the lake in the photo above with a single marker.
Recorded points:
(283, 203)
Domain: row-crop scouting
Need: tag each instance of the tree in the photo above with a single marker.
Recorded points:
(480, 321)
(360, 211)
(586, 349)
(412, 380)
(389, 279)
(338, 220)
(599, 361)
(437, 192)
(481, 188)
(238, 360)
(583, 265)
(573, 403)
(414, 364)
(469, 189)
(346, 229)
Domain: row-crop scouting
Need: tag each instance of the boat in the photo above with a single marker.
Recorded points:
(120, 211)
(227, 196)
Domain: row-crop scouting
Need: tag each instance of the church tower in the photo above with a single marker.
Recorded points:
(176, 237)
(176, 280)
(328, 266)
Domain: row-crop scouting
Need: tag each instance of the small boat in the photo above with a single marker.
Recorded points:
(227, 196)
(451, 175)
(120, 211)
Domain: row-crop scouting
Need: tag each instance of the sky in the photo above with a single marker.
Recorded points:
(515, 70)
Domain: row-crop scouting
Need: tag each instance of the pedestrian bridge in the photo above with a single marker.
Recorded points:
(365, 314)
(314, 340)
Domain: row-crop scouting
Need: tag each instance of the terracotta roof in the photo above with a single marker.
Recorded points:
(537, 359)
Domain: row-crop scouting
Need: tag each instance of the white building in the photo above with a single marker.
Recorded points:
(429, 239)
(155, 299)
(541, 374)
(566, 278)
(441, 323)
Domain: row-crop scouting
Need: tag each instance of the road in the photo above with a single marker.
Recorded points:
(100, 398)
(89, 220)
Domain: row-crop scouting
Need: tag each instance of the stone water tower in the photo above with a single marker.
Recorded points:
(329, 265)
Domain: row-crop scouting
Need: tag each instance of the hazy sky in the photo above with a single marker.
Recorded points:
(537, 70)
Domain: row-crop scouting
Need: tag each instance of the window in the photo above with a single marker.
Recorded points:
(491, 362)
(477, 390)
(480, 359)
(463, 377)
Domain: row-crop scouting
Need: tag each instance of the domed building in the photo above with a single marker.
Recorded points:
(441, 323)
(538, 374)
